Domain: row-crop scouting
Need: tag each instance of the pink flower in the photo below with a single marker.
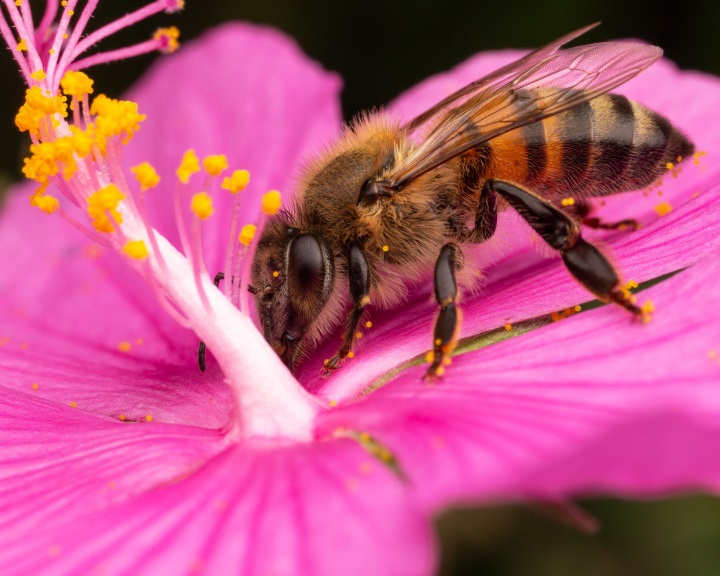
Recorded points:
(119, 456)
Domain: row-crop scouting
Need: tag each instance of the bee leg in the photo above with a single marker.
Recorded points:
(202, 348)
(583, 211)
(584, 261)
(447, 323)
(359, 277)
(485, 217)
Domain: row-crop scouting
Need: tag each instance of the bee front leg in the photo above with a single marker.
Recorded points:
(584, 261)
(359, 277)
(447, 323)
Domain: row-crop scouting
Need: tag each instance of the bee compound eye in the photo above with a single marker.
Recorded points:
(306, 266)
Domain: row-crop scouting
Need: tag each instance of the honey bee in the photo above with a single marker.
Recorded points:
(382, 208)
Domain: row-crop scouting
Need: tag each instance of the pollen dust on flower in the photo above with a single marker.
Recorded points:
(663, 209)
(124, 346)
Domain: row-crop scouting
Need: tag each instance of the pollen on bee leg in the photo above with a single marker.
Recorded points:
(646, 311)
(568, 201)
(508, 327)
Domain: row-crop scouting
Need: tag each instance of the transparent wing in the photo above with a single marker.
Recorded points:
(527, 61)
(527, 91)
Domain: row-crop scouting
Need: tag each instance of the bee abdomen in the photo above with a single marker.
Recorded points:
(607, 145)
(633, 146)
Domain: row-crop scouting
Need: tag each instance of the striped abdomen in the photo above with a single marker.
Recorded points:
(609, 144)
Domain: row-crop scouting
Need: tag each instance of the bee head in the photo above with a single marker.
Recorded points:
(292, 278)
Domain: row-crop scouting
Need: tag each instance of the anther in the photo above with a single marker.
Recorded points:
(236, 182)
(214, 165)
(201, 205)
(271, 202)
(247, 234)
(189, 165)
(136, 249)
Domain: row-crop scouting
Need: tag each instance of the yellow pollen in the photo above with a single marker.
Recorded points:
(201, 205)
(73, 404)
(18, 3)
(124, 346)
(276, 273)
(351, 354)
(247, 234)
(236, 182)
(46, 203)
(368, 324)
(148, 418)
(578, 308)
(71, 12)
(136, 249)
(146, 176)
(508, 327)
(65, 36)
(631, 284)
(669, 165)
(168, 37)
(35, 386)
(358, 335)
(430, 357)
(365, 300)
(438, 341)
(51, 51)
(115, 118)
(22, 46)
(105, 200)
(38, 75)
(385, 248)
(440, 371)
(271, 202)
(447, 361)
(568, 201)
(648, 307)
(76, 84)
(64, 3)
(122, 417)
(326, 361)
(663, 208)
(190, 165)
(215, 164)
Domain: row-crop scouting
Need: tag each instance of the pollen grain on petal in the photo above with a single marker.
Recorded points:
(201, 205)
(215, 164)
(148, 418)
(663, 208)
(124, 346)
(271, 202)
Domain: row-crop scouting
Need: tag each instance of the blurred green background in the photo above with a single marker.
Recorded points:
(381, 48)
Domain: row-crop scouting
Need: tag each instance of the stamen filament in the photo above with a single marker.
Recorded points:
(46, 22)
(247, 265)
(198, 262)
(27, 14)
(24, 33)
(75, 49)
(113, 55)
(233, 247)
(10, 40)
(60, 37)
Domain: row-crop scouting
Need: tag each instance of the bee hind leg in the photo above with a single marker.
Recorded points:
(447, 324)
(359, 277)
(585, 262)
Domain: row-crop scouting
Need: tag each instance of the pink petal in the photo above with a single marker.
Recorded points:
(591, 404)
(326, 508)
(60, 464)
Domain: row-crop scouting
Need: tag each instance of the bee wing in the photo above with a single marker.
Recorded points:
(567, 78)
(527, 61)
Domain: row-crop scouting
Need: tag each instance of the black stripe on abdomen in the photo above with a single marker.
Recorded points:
(616, 144)
(575, 135)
